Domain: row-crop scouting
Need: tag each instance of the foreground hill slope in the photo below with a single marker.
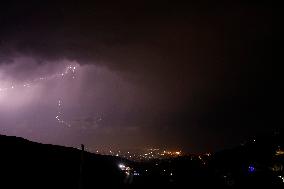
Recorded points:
(34, 165)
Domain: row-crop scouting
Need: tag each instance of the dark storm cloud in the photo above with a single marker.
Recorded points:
(160, 43)
(137, 31)
(201, 67)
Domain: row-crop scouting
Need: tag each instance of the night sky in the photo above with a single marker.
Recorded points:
(136, 74)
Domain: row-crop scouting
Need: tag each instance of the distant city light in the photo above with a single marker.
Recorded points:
(251, 169)
(281, 177)
(279, 152)
(136, 174)
(139, 155)
(121, 166)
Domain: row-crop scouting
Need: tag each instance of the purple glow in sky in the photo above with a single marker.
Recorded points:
(65, 103)
(192, 76)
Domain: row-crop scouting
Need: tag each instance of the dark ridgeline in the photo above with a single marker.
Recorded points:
(25, 164)
(257, 163)
(254, 164)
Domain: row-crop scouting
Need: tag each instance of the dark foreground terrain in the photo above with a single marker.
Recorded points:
(255, 164)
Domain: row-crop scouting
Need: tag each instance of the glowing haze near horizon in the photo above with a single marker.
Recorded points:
(66, 103)
(185, 76)
(56, 103)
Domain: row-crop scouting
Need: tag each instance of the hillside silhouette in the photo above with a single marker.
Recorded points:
(256, 163)
(28, 164)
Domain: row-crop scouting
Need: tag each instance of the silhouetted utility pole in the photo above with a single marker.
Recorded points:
(81, 181)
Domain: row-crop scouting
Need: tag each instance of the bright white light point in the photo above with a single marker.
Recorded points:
(121, 166)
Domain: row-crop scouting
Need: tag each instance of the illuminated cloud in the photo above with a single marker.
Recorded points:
(190, 75)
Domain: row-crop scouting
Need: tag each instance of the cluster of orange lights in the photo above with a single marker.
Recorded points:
(279, 152)
(171, 153)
